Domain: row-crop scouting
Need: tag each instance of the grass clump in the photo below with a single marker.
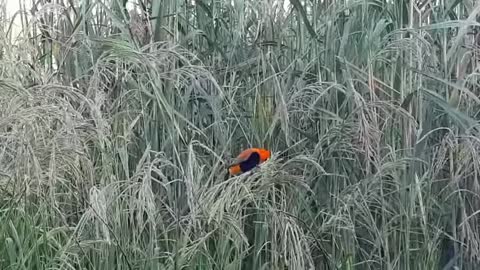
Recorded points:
(118, 120)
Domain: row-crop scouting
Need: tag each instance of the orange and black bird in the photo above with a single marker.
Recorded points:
(249, 159)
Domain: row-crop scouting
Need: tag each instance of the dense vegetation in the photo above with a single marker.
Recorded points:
(117, 122)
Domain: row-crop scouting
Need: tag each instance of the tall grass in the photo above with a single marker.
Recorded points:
(117, 122)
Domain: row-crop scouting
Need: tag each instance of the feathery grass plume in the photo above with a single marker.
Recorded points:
(118, 120)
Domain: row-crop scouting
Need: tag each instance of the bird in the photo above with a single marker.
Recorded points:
(248, 159)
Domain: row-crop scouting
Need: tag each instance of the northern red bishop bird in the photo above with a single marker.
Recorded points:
(249, 159)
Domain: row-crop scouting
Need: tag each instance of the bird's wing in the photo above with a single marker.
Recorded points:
(244, 155)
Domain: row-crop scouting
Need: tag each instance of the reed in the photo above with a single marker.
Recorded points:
(118, 118)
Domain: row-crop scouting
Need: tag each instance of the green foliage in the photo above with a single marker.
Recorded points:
(117, 122)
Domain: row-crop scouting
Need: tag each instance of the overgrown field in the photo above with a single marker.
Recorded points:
(118, 121)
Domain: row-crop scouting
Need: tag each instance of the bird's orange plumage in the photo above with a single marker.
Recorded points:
(236, 168)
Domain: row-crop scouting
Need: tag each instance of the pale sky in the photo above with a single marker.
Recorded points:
(12, 6)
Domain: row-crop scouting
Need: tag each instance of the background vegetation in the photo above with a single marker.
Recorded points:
(117, 121)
